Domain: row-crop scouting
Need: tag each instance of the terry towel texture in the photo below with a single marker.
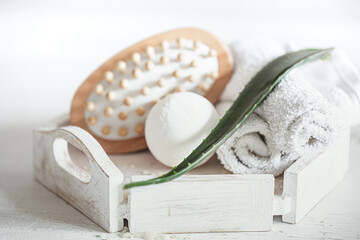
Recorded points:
(294, 121)
(252, 149)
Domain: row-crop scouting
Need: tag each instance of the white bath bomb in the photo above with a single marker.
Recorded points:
(177, 125)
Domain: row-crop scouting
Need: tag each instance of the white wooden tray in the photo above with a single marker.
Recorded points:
(208, 199)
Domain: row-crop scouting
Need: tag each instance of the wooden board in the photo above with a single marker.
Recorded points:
(307, 182)
(97, 191)
(207, 203)
(136, 144)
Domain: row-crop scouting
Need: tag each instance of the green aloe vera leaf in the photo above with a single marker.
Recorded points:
(252, 95)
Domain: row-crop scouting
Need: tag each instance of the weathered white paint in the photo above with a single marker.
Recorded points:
(97, 192)
(282, 205)
(192, 203)
(30, 211)
(208, 203)
(306, 182)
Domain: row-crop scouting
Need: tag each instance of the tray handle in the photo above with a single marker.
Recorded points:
(98, 194)
(83, 141)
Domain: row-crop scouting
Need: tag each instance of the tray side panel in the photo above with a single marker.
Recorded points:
(208, 203)
(99, 197)
(307, 182)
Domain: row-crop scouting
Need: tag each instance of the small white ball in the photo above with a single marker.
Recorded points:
(177, 124)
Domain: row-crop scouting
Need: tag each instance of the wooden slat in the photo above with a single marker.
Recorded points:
(97, 192)
(306, 182)
(203, 204)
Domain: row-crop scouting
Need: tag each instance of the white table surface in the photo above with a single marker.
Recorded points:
(48, 49)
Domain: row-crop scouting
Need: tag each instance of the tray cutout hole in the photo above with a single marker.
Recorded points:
(126, 223)
(72, 160)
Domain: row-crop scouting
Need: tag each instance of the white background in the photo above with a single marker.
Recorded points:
(47, 48)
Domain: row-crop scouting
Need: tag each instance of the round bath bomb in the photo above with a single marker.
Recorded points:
(177, 125)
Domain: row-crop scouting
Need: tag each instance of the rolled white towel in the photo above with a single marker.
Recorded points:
(294, 121)
(251, 149)
(250, 56)
(300, 119)
(337, 79)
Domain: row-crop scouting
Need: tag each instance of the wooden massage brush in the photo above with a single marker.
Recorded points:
(112, 104)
